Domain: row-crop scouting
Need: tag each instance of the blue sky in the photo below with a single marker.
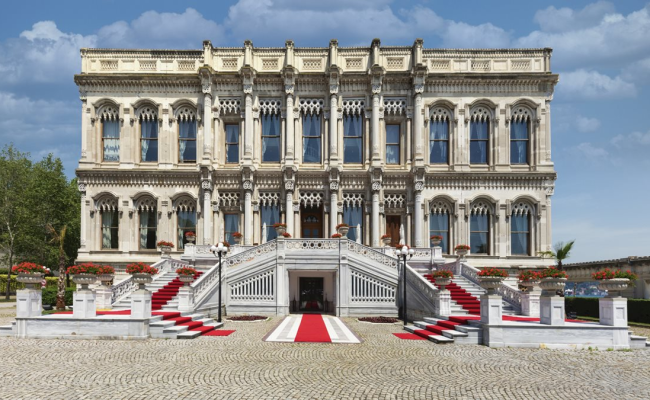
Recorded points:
(601, 129)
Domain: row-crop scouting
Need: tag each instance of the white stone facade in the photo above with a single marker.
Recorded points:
(405, 88)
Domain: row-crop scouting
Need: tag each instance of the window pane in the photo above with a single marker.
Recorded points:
(439, 152)
(392, 133)
(311, 149)
(439, 225)
(187, 129)
(109, 230)
(519, 152)
(478, 130)
(478, 152)
(311, 125)
(232, 153)
(232, 134)
(439, 130)
(187, 150)
(271, 138)
(519, 130)
(392, 154)
(352, 150)
(352, 126)
(148, 225)
(478, 243)
(186, 223)
(111, 135)
(353, 215)
(270, 216)
(231, 225)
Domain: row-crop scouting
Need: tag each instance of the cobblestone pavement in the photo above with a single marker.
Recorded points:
(242, 366)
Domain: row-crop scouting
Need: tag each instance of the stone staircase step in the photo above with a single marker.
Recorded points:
(176, 329)
(638, 342)
(6, 330)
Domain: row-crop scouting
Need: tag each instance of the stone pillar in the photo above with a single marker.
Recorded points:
(491, 311)
(29, 303)
(186, 299)
(375, 214)
(530, 304)
(334, 209)
(282, 279)
(613, 311)
(334, 138)
(289, 185)
(84, 304)
(376, 156)
(103, 297)
(207, 122)
(418, 214)
(443, 300)
(83, 230)
(207, 212)
(436, 255)
(418, 126)
(551, 309)
(289, 157)
(248, 213)
(248, 127)
(141, 304)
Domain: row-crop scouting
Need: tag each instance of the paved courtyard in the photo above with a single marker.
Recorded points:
(242, 366)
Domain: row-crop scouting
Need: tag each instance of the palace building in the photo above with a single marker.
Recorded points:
(398, 140)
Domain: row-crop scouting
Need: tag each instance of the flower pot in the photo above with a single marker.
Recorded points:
(462, 252)
(280, 230)
(30, 280)
(490, 283)
(529, 284)
(237, 239)
(343, 230)
(386, 241)
(436, 242)
(84, 280)
(552, 285)
(142, 279)
(442, 282)
(186, 279)
(165, 250)
(105, 278)
(614, 286)
(190, 239)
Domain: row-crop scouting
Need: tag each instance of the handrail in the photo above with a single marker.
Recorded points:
(206, 281)
(508, 293)
(424, 286)
(312, 244)
(372, 254)
(127, 286)
(250, 254)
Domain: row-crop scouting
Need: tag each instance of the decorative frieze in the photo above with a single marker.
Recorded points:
(270, 106)
(353, 199)
(394, 105)
(230, 105)
(311, 106)
(353, 106)
(269, 198)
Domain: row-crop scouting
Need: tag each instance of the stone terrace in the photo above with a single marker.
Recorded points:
(242, 366)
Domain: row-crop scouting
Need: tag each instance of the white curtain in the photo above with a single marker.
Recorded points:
(149, 142)
(108, 219)
(478, 142)
(111, 137)
(352, 143)
(270, 216)
(144, 225)
(353, 216)
(311, 138)
(187, 143)
(439, 142)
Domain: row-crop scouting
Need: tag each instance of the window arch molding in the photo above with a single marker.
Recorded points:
(106, 201)
(184, 201)
(442, 213)
(107, 108)
(481, 214)
(147, 109)
(441, 122)
(145, 200)
(480, 120)
(185, 110)
(523, 214)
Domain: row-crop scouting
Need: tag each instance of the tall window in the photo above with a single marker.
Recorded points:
(148, 140)
(186, 223)
(439, 142)
(352, 139)
(148, 226)
(111, 140)
(520, 234)
(187, 141)
(311, 138)
(232, 144)
(230, 226)
(439, 225)
(271, 138)
(478, 142)
(110, 224)
(353, 216)
(519, 142)
(479, 239)
(392, 144)
(270, 216)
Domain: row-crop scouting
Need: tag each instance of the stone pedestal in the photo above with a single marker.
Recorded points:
(491, 309)
(530, 304)
(141, 304)
(185, 299)
(436, 254)
(443, 303)
(103, 297)
(29, 303)
(551, 310)
(84, 304)
(613, 311)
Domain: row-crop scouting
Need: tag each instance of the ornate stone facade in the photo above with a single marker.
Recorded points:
(222, 101)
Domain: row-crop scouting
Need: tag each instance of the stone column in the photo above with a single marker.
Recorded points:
(288, 186)
(334, 209)
(418, 125)
(613, 311)
(551, 309)
(141, 304)
(418, 214)
(248, 127)
(84, 304)
(376, 186)
(334, 142)
(376, 156)
(103, 297)
(207, 122)
(530, 304)
(83, 230)
(443, 299)
(186, 299)
(29, 302)
(282, 279)
(289, 157)
(491, 311)
(248, 213)
(207, 211)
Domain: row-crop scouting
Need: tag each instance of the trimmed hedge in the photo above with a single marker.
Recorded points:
(49, 296)
(51, 282)
(638, 310)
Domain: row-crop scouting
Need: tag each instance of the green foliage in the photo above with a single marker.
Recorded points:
(638, 310)
(561, 252)
(49, 296)
(51, 282)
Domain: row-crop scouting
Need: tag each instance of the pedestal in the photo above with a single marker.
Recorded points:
(613, 311)
(84, 304)
(103, 297)
(29, 303)
(141, 304)
(551, 310)
(443, 303)
(185, 299)
(438, 259)
(491, 309)
(530, 304)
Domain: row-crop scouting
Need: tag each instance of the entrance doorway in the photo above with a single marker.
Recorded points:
(392, 228)
(311, 223)
(311, 294)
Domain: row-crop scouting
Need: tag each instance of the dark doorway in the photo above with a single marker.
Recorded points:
(392, 228)
(311, 294)
(311, 223)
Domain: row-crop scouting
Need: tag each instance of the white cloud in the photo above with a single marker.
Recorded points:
(592, 151)
(631, 140)
(585, 124)
(566, 19)
(638, 71)
(460, 34)
(592, 85)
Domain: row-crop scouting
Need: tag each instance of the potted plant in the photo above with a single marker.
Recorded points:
(529, 279)
(490, 278)
(553, 279)
(442, 277)
(286, 235)
(336, 236)
(343, 229)
(190, 236)
(29, 273)
(280, 228)
(436, 240)
(186, 275)
(462, 249)
(165, 248)
(105, 274)
(238, 237)
(84, 274)
(142, 273)
(386, 239)
(614, 281)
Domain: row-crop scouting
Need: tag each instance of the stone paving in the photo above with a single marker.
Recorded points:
(242, 366)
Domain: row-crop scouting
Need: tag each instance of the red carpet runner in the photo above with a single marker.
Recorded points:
(312, 329)
(460, 296)
(408, 336)
(163, 295)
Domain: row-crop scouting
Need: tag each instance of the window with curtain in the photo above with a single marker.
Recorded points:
(520, 234)
(187, 141)
(148, 226)
(230, 226)
(311, 138)
(111, 140)
(232, 143)
(478, 142)
(353, 215)
(186, 223)
(352, 139)
(149, 140)
(479, 237)
(519, 142)
(110, 224)
(439, 225)
(439, 142)
(270, 216)
(392, 144)
(271, 138)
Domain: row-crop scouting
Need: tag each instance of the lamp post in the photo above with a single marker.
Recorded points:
(218, 251)
(404, 251)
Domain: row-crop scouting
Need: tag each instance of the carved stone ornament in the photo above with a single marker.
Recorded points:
(207, 87)
(289, 185)
(334, 185)
(334, 89)
(206, 185)
(288, 89)
(418, 88)
(248, 88)
(376, 186)
(296, 207)
(81, 187)
(419, 186)
(376, 88)
(247, 185)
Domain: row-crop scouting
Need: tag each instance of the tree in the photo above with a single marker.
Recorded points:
(59, 239)
(559, 253)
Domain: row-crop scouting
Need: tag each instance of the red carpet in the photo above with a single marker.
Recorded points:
(163, 295)
(218, 333)
(460, 296)
(408, 336)
(312, 329)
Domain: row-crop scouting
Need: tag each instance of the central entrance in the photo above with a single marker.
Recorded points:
(311, 294)
(311, 223)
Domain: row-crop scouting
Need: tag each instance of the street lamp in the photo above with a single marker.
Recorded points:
(218, 251)
(404, 251)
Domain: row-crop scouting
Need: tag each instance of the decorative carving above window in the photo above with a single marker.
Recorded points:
(522, 208)
(229, 199)
(394, 105)
(269, 63)
(148, 65)
(440, 65)
(440, 114)
(521, 113)
(480, 65)
(229, 63)
(480, 113)
(185, 204)
(270, 106)
(520, 65)
(269, 198)
(312, 63)
(106, 203)
(481, 207)
(145, 203)
(440, 207)
(313, 199)
(353, 199)
(353, 63)
(353, 106)
(108, 113)
(395, 63)
(311, 106)
(147, 113)
(186, 113)
(230, 105)
(186, 65)
(394, 200)
(108, 65)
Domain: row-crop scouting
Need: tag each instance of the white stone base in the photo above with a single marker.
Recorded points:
(443, 303)
(491, 309)
(551, 310)
(29, 303)
(530, 304)
(186, 299)
(68, 327)
(84, 304)
(103, 297)
(141, 304)
(613, 311)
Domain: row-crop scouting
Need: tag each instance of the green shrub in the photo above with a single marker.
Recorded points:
(51, 282)
(638, 310)
(49, 296)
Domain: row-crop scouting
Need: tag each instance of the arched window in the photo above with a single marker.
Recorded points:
(439, 136)
(353, 131)
(186, 118)
(148, 118)
(270, 110)
(148, 221)
(439, 223)
(110, 123)
(479, 237)
(479, 137)
(270, 212)
(353, 214)
(185, 208)
(311, 129)
(107, 207)
(520, 135)
(520, 242)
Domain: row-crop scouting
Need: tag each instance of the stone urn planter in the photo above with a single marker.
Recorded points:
(343, 230)
(142, 279)
(529, 285)
(280, 230)
(386, 241)
(436, 242)
(165, 251)
(462, 252)
(614, 286)
(186, 279)
(552, 285)
(84, 280)
(30, 280)
(190, 239)
(442, 282)
(237, 239)
(105, 279)
(490, 283)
